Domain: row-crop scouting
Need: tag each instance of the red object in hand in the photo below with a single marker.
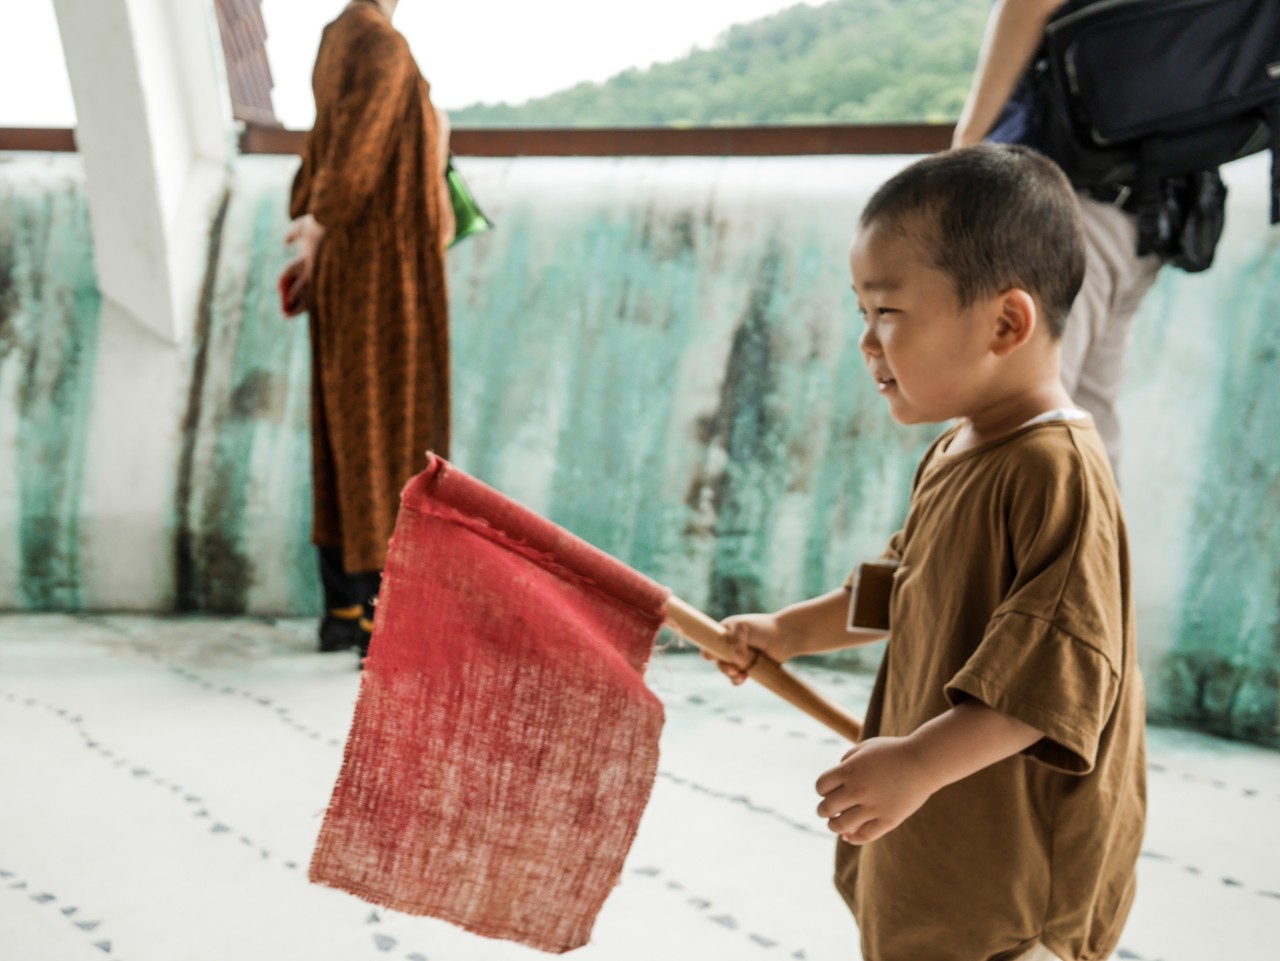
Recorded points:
(290, 308)
(504, 744)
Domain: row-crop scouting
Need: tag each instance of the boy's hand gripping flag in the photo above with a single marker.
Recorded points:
(504, 744)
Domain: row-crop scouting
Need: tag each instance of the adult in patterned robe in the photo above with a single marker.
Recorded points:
(372, 219)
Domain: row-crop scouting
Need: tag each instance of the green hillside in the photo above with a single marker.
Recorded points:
(848, 61)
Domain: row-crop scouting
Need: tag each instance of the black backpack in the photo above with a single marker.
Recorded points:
(1140, 102)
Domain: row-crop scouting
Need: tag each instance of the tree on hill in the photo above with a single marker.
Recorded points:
(848, 61)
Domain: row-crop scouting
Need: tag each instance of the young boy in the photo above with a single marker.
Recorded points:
(994, 808)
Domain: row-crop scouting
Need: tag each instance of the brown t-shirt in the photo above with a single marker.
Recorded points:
(1013, 589)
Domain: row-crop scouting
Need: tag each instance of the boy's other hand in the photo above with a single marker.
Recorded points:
(748, 635)
(878, 785)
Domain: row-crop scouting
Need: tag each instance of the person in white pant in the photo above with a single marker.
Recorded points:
(1116, 279)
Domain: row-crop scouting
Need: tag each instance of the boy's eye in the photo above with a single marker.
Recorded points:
(865, 312)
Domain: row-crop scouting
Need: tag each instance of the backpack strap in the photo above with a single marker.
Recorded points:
(1272, 114)
(1146, 196)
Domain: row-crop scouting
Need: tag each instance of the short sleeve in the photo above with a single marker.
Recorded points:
(1053, 650)
(1031, 670)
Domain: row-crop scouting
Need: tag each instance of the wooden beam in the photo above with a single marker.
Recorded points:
(51, 139)
(259, 139)
(776, 141)
(599, 142)
(764, 141)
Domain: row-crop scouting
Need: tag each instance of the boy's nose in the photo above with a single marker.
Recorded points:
(868, 342)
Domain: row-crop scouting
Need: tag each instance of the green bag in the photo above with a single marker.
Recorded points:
(467, 215)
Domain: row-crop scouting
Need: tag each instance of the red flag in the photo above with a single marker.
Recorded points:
(504, 744)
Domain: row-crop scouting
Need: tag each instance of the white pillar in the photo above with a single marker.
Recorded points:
(156, 134)
(156, 137)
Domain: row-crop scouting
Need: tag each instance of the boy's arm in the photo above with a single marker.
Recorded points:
(809, 627)
(884, 780)
(1014, 31)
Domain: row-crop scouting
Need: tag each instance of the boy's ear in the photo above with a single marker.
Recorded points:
(1017, 318)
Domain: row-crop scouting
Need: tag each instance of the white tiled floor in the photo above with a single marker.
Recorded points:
(162, 782)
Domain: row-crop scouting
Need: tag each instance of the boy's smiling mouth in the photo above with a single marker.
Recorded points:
(883, 382)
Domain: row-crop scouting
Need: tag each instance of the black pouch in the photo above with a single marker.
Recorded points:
(1190, 220)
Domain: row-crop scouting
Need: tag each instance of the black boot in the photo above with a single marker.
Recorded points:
(338, 633)
(342, 627)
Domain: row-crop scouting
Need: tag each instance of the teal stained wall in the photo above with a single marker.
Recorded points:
(242, 493)
(49, 308)
(1223, 672)
(661, 356)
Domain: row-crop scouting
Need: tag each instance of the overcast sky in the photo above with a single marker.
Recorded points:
(470, 50)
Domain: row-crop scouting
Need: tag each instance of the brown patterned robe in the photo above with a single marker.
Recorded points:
(372, 175)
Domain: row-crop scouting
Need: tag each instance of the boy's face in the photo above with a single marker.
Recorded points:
(930, 359)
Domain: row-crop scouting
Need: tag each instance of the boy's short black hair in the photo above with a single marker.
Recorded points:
(994, 216)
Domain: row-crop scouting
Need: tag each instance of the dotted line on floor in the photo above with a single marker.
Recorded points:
(1126, 955)
(12, 881)
(386, 943)
(1226, 881)
(279, 711)
(708, 909)
(1221, 785)
(728, 921)
(743, 801)
(381, 942)
(144, 774)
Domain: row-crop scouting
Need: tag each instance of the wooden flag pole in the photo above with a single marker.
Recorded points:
(693, 625)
